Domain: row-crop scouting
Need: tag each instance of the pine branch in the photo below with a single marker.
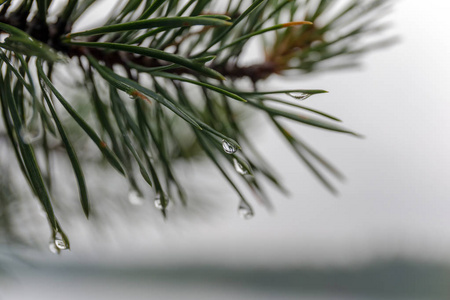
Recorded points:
(161, 42)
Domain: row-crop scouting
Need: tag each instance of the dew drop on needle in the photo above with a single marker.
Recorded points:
(159, 203)
(60, 244)
(239, 168)
(52, 247)
(299, 95)
(245, 211)
(228, 148)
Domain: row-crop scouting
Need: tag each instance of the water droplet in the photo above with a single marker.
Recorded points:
(135, 197)
(52, 248)
(299, 95)
(245, 211)
(239, 168)
(228, 148)
(158, 203)
(29, 136)
(60, 244)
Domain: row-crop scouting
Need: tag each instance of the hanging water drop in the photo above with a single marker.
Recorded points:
(299, 95)
(228, 148)
(135, 197)
(52, 247)
(239, 168)
(60, 244)
(245, 211)
(159, 204)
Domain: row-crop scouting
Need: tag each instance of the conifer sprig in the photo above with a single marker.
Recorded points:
(162, 62)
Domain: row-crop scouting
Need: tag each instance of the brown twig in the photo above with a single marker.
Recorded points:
(50, 34)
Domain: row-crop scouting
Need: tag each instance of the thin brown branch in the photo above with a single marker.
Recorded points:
(50, 34)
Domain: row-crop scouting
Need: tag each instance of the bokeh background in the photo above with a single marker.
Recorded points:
(386, 236)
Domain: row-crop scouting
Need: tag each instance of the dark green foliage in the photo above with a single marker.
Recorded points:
(157, 53)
